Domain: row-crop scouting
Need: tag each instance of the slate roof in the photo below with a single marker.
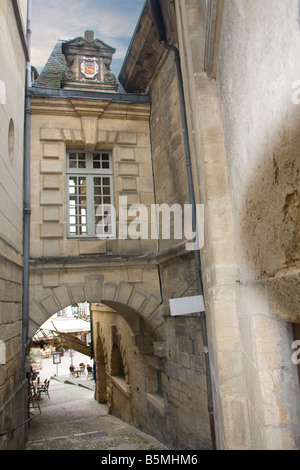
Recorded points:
(51, 75)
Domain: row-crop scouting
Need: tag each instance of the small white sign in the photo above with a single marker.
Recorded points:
(2, 92)
(2, 353)
(187, 305)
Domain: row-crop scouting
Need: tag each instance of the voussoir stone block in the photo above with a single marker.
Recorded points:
(150, 305)
(50, 305)
(62, 296)
(37, 315)
(78, 293)
(124, 293)
(136, 300)
(110, 291)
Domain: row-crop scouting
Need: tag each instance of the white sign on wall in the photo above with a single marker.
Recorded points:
(2, 92)
(187, 305)
(2, 353)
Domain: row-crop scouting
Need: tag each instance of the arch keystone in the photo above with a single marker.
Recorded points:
(94, 288)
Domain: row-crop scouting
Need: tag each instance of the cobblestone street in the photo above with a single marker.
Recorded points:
(72, 420)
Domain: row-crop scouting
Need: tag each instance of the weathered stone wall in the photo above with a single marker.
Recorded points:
(256, 83)
(170, 177)
(177, 417)
(128, 393)
(12, 82)
(244, 139)
(186, 397)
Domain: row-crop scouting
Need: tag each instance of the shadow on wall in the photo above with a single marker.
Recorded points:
(270, 223)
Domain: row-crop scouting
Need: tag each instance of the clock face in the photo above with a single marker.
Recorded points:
(89, 67)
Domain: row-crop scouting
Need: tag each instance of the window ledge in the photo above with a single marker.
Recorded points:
(121, 384)
(157, 401)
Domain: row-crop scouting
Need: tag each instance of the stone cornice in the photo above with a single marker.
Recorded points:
(110, 260)
(90, 107)
(96, 261)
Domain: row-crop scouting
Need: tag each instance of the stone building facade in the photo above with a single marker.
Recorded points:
(240, 83)
(86, 130)
(97, 140)
(13, 58)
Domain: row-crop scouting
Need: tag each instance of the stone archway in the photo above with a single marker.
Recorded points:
(129, 299)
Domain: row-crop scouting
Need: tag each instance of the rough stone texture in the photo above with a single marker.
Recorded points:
(262, 158)
(244, 138)
(133, 397)
(12, 388)
(186, 395)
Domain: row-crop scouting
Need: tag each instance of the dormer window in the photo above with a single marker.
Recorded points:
(88, 64)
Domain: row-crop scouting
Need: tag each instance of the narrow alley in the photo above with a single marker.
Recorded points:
(72, 420)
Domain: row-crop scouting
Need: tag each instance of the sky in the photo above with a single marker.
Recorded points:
(113, 21)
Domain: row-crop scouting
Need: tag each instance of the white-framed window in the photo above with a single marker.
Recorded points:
(90, 192)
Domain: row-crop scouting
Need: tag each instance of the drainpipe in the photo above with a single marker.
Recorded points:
(26, 207)
(162, 37)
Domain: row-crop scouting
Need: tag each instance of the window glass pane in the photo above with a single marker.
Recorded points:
(101, 161)
(77, 160)
(98, 191)
(98, 201)
(96, 160)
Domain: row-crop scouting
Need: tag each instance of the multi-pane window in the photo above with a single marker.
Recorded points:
(90, 192)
